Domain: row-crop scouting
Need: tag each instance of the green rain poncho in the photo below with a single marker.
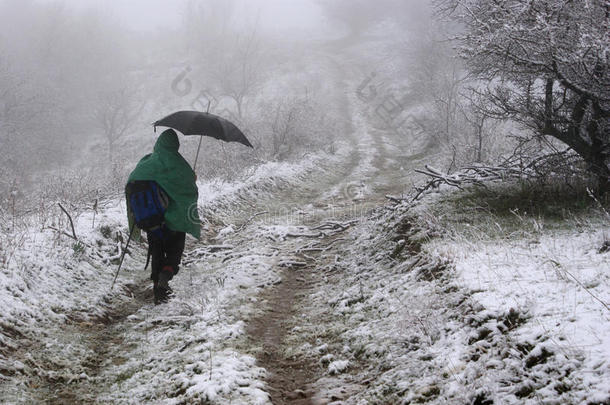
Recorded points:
(169, 169)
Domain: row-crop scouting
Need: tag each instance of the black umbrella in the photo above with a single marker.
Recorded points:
(203, 124)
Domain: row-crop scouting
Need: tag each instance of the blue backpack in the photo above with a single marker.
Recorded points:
(148, 203)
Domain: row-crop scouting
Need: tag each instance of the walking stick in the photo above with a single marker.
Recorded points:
(123, 255)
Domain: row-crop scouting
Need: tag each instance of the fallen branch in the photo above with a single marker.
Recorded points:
(250, 219)
(217, 248)
(476, 175)
(311, 249)
(210, 249)
(60, 231)
(305, 235)
(196, 254)
(514, 167)
(397, 200)
(291, 263)
(191, 342)
(331, 225)
(71, 222)
(107, 260)
(333, 242)
(317, 247)
(335, 225)
(312, 259)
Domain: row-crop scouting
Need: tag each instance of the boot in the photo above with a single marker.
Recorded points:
(162, 289)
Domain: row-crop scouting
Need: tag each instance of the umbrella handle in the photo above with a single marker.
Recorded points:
(198, 149)
(200, 139)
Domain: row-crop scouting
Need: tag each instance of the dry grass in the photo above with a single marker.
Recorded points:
(505, 211)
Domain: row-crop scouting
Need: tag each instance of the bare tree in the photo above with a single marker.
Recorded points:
(546, 65)
(293, 124)
(228, 51)
(483, 128)
(282, 129)
(239, 74)
(22, 115)
(116, 112)
(435, 79)
(358, 16)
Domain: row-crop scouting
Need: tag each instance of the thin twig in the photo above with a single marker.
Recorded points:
(291, 263)
(397, 200)
(250, 219)
(60, 231)
(305, 235)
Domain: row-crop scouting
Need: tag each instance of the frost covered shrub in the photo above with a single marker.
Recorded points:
(518, 207)
(282, 130)
(293, 126)
(545, 66)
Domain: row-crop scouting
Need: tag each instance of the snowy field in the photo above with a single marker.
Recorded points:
(393, 304)
(395, 308)
(57, 288)
(412, 316)
(412, 224)
(559, 279)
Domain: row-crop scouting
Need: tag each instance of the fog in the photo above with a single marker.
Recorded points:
(148, 16)
(423, 215)
(82, 81)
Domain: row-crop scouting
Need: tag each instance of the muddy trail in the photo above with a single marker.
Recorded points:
(91, 344)
(291, 377)
(277, 331)
(288, 376)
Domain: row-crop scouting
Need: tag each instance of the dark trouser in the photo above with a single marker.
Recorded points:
(166, 252)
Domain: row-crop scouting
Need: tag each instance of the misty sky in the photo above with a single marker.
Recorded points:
(145, 15)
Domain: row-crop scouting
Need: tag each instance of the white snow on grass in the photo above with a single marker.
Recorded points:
(57, 299)
(216, 196)
(338, 366)
(52, 282)
(49, 276)
(559, 278)
(189, 348)
(423, 318)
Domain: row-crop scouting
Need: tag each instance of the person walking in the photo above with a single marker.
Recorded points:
(162, 195)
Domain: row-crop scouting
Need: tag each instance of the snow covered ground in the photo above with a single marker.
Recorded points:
(393, 303)
(411, 315)
(55, 287)
(559, 279)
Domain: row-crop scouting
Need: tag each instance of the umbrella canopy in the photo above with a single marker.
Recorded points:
(204, 124)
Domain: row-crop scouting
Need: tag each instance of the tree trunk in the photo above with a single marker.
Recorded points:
(602, 167)
(600, 147)
(480, 125)
(589, 141)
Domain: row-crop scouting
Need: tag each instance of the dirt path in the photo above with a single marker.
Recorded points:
(101, 339)
(101, 343)
(291, 377)
(288, 376)
(359, 185)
